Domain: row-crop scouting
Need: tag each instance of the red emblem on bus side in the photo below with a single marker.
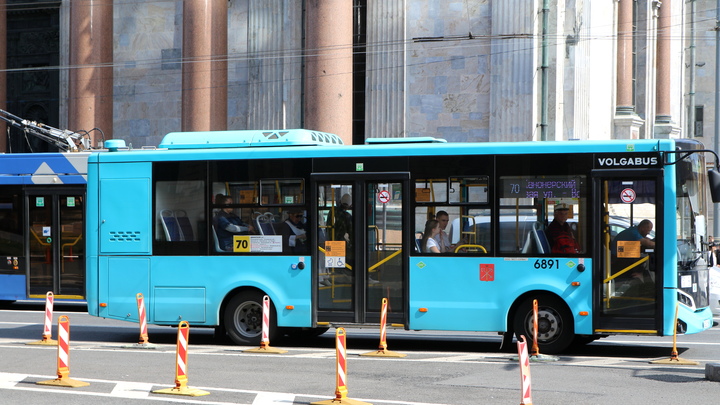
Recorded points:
(487, 272)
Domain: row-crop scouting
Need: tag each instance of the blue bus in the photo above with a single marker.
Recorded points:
(210, 222)
(42, 225)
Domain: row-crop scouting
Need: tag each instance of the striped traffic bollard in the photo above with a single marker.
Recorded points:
(383, 350)
(63, 358)
(535, 348)
(265, 339)
(535, 355)
(47, 329)
(181, 364)
(142, 319)
(524, 371)
(341, 374)
(144, 341)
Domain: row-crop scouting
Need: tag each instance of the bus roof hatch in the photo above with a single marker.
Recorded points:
(248, 138)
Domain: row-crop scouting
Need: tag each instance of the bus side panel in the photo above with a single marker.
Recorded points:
(475, 294)
(207, 281)
(13, 287)
(125, 277)
(91, 241)
(124, 221)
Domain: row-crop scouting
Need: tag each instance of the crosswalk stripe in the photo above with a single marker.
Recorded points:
(131, 390)
(273, 398)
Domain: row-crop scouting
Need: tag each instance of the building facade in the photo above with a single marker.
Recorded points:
(463, 70)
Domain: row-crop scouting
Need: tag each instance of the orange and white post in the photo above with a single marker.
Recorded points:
(341, 390)
(524, 372)
(142, 319)
(383, 350)
(47, 329)
(535, 348)
(265, 338)
(63, 358)
(181, 363)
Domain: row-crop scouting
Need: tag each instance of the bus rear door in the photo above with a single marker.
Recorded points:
(362, 247)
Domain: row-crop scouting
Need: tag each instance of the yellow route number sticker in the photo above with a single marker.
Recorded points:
(241, 243)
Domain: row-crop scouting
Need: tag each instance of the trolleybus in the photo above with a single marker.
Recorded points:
(328, 230)
(42, 225)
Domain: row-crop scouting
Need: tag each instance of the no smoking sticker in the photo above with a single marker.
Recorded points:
(627, 195)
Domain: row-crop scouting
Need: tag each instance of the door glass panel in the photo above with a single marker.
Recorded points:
(629, 248)
(336, 260)
(41, 239)
(72, 245)
(384, 256)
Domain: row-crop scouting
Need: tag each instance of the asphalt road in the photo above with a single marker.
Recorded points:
(440, 367)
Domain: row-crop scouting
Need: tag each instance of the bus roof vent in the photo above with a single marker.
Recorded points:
(414, 139)
(248, 138)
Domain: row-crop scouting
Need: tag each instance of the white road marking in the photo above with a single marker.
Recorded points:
(273, 398)
(131, 390)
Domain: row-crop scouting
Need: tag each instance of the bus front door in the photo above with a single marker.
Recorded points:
(361, 249)
(56, 244)
(629, 278)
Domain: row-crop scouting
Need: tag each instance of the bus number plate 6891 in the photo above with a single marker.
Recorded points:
(547, 264)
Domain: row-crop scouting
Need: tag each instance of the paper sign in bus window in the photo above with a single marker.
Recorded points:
(334, 253)
(629, 249)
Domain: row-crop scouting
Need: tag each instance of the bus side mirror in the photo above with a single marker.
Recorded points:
(714, 181)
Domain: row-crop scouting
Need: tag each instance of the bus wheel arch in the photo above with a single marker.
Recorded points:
(242, 317)
(556, 325)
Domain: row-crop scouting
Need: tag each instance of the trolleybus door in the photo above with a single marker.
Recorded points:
(56, 245)
(362, 248)
(629, 276)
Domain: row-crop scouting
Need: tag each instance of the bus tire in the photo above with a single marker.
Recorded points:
(556, 328)
(243, 318)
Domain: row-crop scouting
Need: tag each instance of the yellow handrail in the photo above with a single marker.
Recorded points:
(457, 249)
(373, 267)
(626, 269)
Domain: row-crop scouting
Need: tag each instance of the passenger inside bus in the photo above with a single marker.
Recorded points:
(559, 232)
(428, 243)
(340, 226)
(442, 238)
(294, 233)
(630, 254)
(227, 224)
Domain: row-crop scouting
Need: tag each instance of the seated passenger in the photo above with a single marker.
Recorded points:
(293, 233)
(640, 273)
(428, 243)
(560, 234)
(228, 224)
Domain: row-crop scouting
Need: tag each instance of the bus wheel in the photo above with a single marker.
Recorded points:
(556, 329)
(243, 318)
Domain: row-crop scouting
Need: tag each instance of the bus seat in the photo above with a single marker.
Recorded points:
(215, 239)
(183, 222)
(170, 226)
(543, 241)
(543, 246)
(418, 242)
(264, 226)
(528, 246)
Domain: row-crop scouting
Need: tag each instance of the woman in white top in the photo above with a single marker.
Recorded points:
(429, 244)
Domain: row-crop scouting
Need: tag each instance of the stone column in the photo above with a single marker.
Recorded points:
(90, 89)
(204, 68)
(3, 75)
(329, 67)
(664, 126)
(625, 103)
(626, 123)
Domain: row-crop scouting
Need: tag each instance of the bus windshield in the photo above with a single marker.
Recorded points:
(691, 206)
